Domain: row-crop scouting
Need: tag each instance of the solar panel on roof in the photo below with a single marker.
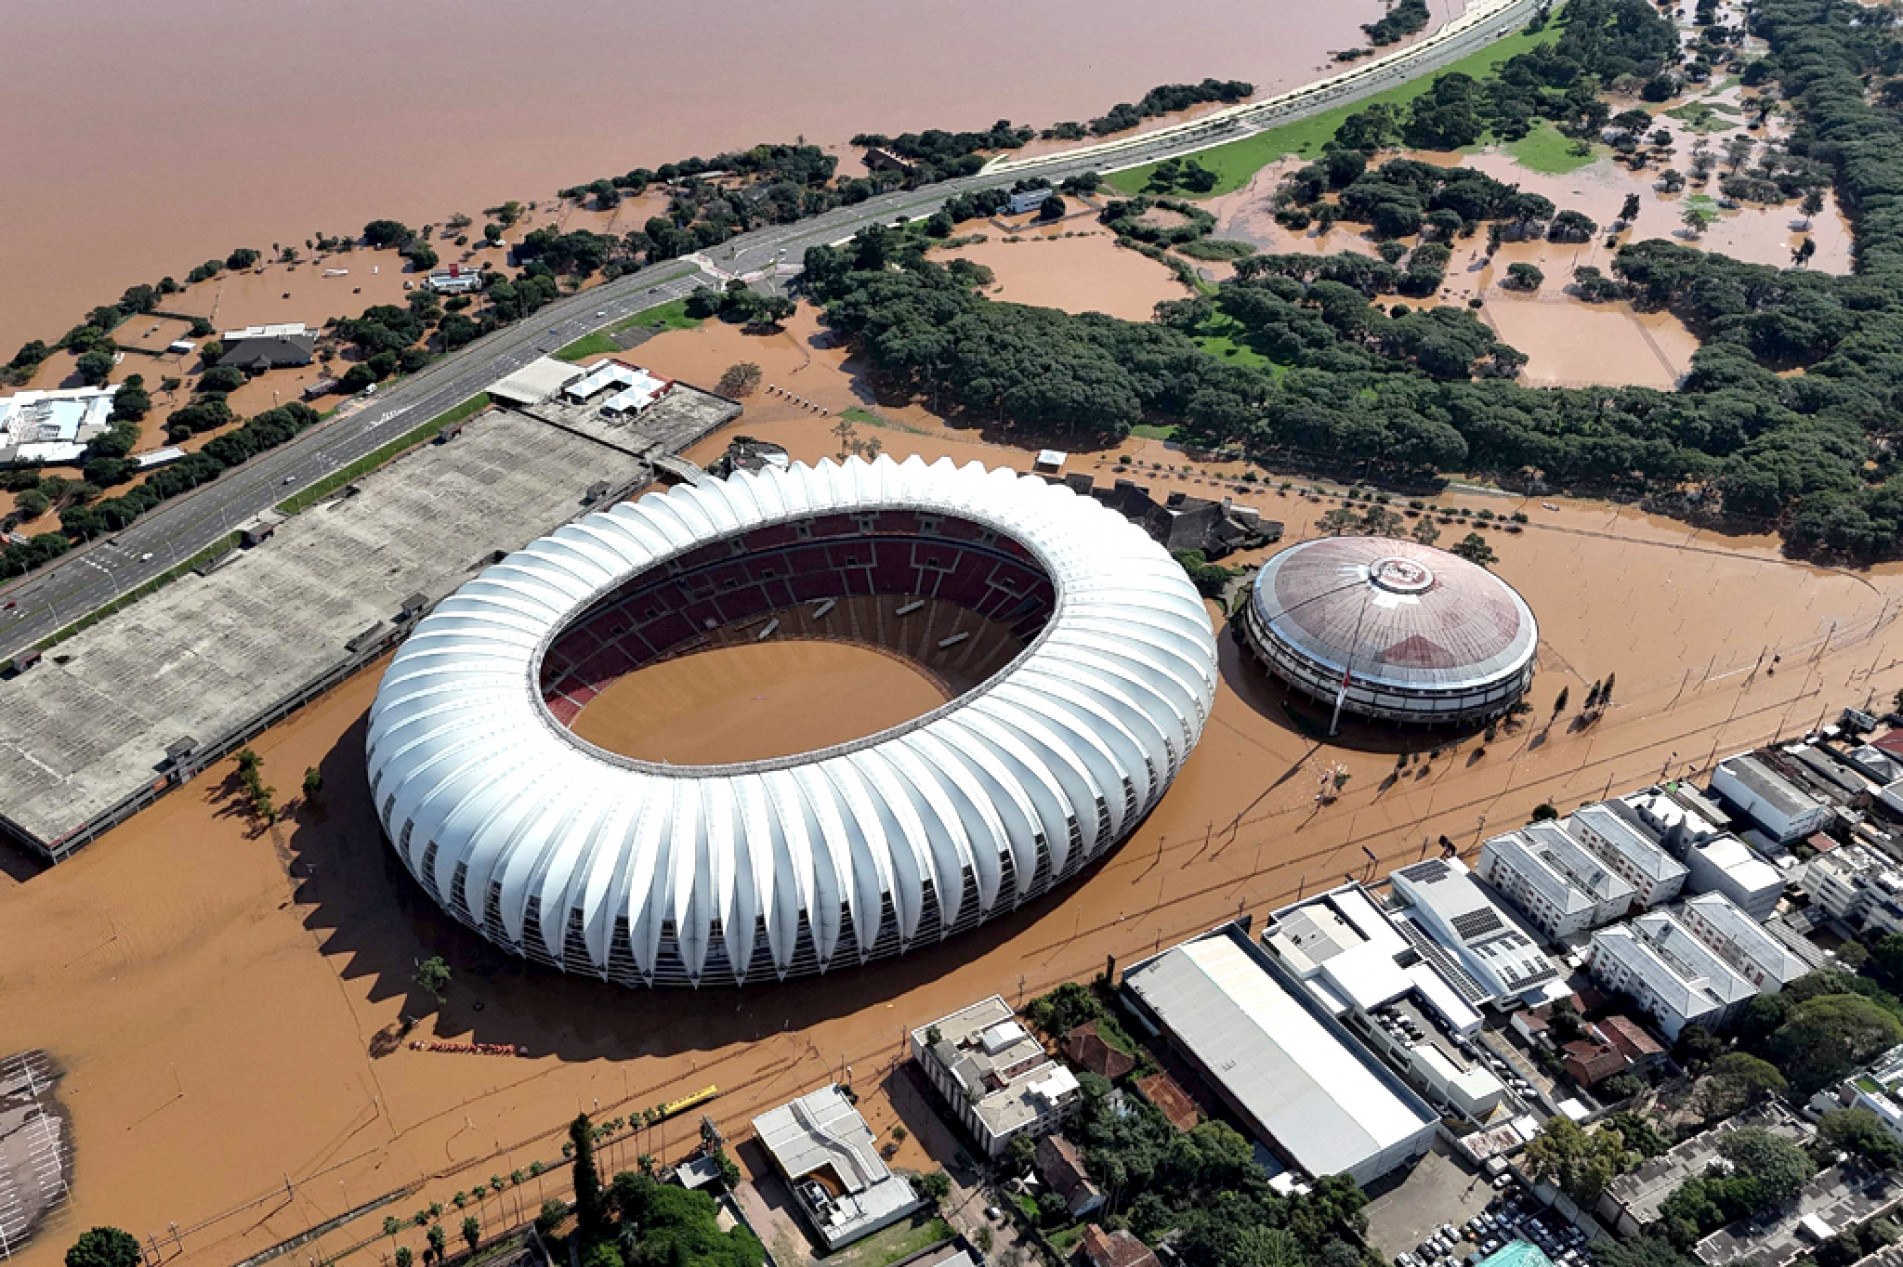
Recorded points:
(1473, 924)
(1428, 872)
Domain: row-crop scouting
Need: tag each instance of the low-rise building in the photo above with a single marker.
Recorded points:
(826, 1152)
(259, 348)
(46, 427)
(1166, 1096)
(1632, 1201)
(1562, 887)
(1742, 941)
(1841, 1199)
(1086, 1048)
(1859, 886)
(631, 389)
(1062, 1168)
(1120, 1248)
(1616, 833)
(1291, 1073)
(994, 1074)
(1724, 864)
(1674, 976)
(1878, 1089)
(454, 280)
(1457, 927)
(1774, 804)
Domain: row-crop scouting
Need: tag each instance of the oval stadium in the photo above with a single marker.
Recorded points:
(1077, 662)
(1413, 634)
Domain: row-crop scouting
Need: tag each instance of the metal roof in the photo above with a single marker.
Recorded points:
(1306, 1086)
(1395, 612)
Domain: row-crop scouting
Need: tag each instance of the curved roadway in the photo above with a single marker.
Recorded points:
(37, 606)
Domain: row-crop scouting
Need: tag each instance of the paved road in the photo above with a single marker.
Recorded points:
(40, 605)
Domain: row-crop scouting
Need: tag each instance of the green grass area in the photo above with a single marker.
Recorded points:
(1546, 149)
(893, 1244)
(210, 552)
(1150, 431)
(667, 316)
(863, 417)
(1707, 116)
(1064, 1240)
(1236, 163)
(1224, 338)
(1869, 1085)
(371, 461)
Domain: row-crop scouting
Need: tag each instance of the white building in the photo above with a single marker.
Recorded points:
(1655, 876)
(1859, 886)
(1356, 964)
(994, 1074)
(633, 387)
(1669, 971)
(1779, 808)
(826, 1152)
(1454, 924)
(1291, 1073)
(1676, 816)
(1742, 941)
(1878, 1089)
(1725, 864)
(455, 280)
(52, 426)
(1557, 883)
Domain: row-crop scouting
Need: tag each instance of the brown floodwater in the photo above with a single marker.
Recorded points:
(1077, 270)
(754, 701)
(139, 139)
(193, 970)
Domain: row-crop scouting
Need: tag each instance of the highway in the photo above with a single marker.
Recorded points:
(35, 607)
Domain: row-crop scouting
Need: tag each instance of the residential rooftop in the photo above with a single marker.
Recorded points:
(1626, 837)
(1008, 1077)
(822, 1138)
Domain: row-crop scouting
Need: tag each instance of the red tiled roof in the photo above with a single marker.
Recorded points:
(1625, 1033)
(1087, 1050)
(1163, 1091)
(1588, 1062)
(1115, 1249)
(1891, 743)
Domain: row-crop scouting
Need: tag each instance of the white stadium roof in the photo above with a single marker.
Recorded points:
(633, 871)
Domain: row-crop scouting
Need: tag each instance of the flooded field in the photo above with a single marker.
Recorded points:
(1080, 271)
(195, 969)
(752, 702)
(109, 187)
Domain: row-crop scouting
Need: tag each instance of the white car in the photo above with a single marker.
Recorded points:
(146, 557)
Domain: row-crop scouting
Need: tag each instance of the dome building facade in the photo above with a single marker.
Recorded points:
(1391, 630)
(1088, 669)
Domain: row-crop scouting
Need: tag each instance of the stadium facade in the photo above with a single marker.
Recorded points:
(1394, 630)
(1088, 667)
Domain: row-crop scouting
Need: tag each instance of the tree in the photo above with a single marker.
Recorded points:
(1641, 1251)
(438, 1239)
(1696, 219)
(1580, 1163)
(1522, 276)
(934, 1187)
(1020, 1154)
(313, 782)
(93, 367)
(742, 378)
(551, 1216)
(1559, 701)
(432, 976)
(1425, 530)
(1337, 521)
(1778, 1167)
(104, 1247)
(1544, 812)
(1736, 1081)
(591, 1209)
(1812, 204)
(1857, 1133)
(772, 310)
(1474, 548)
(1052, 208)
(472, 1231)
(1826, 1037)
(404, 1256)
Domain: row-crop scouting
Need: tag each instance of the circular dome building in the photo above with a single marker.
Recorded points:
(1086, 668)
(1398, 631)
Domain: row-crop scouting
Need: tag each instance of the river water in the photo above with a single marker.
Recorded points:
(137, 139)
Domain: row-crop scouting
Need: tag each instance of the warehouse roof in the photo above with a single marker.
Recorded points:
(1319, 1096)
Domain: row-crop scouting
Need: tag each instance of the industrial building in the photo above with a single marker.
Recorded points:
(1450, 918)
(1391, 630)
(1562, 887)
(1775, 805)
(42, 428)
(1725, 864)
(1612, 830)
(994, 1074)
(826, 1152)
(1289, 1071)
